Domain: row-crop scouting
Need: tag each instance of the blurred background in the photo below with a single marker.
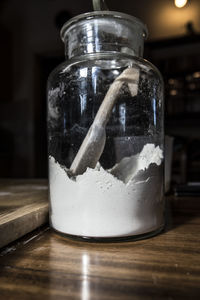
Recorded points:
(31, 48)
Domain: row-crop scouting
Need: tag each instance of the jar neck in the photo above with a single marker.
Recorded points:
(106, 32)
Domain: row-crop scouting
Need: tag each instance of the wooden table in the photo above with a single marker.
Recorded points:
(43, 265)
(23, 207)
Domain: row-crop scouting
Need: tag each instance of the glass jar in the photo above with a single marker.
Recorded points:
(105, 132)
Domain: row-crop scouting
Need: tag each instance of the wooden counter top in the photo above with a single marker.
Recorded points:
(43, 265)
(23, 207)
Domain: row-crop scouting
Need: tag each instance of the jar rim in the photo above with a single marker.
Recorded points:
(93, 14)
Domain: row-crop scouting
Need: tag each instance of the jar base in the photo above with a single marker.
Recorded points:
(111, 239)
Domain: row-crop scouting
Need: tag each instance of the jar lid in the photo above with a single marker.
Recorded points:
(96, 14)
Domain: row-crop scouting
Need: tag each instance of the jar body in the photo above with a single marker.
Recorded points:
(122, 195)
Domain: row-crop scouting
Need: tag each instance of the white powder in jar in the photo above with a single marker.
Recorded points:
(125, 200)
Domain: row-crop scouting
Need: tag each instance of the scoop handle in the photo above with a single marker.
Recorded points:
(130, 76)
(99, 5)
(94, 142)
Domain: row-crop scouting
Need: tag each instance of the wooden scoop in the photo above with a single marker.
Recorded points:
(94, 142)
(99, 5)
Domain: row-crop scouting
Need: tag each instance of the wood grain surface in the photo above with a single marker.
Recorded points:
(44, 265)
(23, 207)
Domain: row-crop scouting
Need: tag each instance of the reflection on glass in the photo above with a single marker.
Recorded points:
(83, 102)
(154, 111)
(122, 115)
(94, 79)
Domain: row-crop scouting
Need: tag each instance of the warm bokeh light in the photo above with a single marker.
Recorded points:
(196, 75)
(180, 3)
